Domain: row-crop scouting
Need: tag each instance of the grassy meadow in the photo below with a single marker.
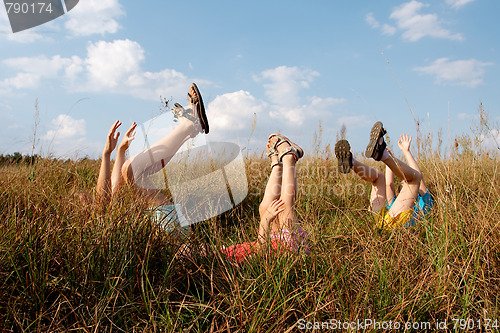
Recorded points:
(66, 267)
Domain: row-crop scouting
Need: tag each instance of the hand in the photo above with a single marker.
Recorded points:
(128, 137)
(276, 207)
(404, 142)
(112, 138)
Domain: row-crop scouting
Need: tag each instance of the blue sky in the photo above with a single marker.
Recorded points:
(288, 65)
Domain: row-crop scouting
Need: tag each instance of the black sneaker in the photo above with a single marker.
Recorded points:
(375, 149)
(344, 156)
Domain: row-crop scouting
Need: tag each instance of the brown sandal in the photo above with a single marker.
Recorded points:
(200, 108)
(294, 149)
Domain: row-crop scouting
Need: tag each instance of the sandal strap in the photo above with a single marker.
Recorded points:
(275, 163)
(180, 111)
(297, 153)
(271, 147)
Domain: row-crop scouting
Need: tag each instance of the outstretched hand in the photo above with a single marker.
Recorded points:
(112, 138)
(404, 142)
(275, 207)
(128, 137)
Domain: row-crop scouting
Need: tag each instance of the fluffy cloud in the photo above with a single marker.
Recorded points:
(114, 67)
(20, 81)
(234, 111)
(94, 17)
(468, 73)
(413, 24)
(285, 84)
(458, 3)
(66, 138)
(416, 26)
(89, 17)
(65, 127)
(110, 64)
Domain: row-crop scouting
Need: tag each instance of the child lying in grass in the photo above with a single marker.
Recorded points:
(278, 221)
(135, 170)
(424, 201)
(402, 209)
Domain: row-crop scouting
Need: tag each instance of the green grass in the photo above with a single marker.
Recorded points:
(64, 268)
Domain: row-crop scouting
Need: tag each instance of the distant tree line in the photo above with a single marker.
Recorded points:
(18, 158)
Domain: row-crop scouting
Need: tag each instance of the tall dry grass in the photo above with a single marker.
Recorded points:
(67, 267)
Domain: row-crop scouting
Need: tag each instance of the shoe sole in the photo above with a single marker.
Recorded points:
(376, 133)
(201, 111)
(344, 156)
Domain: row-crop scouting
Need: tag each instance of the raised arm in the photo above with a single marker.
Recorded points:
(404, 144)
(103, 188)
(116, 175)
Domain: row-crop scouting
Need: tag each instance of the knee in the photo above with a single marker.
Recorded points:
(417, 178)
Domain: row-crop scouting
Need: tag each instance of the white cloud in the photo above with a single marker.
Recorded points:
(458, 3)
(40, 65)
(468, 73)
(284, 93)
(20, 81)
(416, 26)
(385, 28)
(286, 82)
(65, 127)
(34, 69)
(66, 138)
(491, 141)
(94, 17)
(234, 111)
(109, 64)
(372, 21)
(114, 67)
(317, 108)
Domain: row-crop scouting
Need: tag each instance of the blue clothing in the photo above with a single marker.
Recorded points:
(422, 207)
(170, 218)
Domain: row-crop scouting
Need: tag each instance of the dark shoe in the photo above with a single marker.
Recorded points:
(375, 149)
(200, 109)
(344, 156)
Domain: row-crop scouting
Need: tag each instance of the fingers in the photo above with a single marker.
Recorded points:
(277, 203)
(131, 129)
(113, 128)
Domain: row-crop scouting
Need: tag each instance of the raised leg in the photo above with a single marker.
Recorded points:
(289, 187)
(273, 187)
(136, 169)
(377, 179)
(407, 196)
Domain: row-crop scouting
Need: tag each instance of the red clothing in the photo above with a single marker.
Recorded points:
(280, 241)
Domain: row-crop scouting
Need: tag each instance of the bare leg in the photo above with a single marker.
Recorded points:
(136, 169)
(376, 177)
(273, 187)
(404, 144)
(408, 194)
(390, 190)
(289, 186)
